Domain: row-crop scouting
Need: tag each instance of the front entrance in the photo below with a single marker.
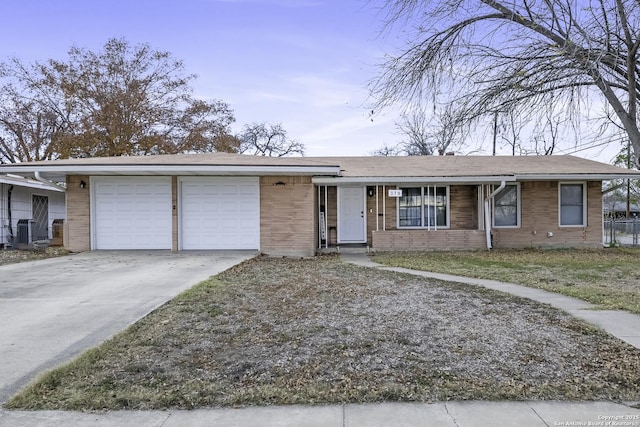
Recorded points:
(352, 226)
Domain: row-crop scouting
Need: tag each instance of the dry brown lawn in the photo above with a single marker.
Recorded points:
(609, 278)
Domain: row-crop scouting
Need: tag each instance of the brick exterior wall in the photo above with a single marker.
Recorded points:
(464, 207)
(287, 213)
(540, 216)
(401, 240)
(288, 219)
(77, 226)
(462, 234)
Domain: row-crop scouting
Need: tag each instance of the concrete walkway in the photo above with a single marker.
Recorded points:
(621, 324)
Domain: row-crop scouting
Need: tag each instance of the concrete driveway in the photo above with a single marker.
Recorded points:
(52, 310)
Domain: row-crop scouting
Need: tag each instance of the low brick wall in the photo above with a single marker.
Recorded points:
(405, 240)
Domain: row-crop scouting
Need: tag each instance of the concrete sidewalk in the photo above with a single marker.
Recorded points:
(620, 324)
(449, 414)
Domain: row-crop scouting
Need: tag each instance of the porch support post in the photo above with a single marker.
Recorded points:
(319, 220)
(435, 208)
(384, 208)
(377, 210)
(326, 216)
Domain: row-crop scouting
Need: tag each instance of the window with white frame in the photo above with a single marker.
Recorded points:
(425, 207)
(572, 204)
(506, 207)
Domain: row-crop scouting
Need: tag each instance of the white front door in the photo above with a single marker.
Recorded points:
(351, 215)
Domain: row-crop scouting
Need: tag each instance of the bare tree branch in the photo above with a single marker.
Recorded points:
(489, 55)
(261, 139)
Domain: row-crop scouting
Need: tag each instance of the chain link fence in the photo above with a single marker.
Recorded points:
(622, 231)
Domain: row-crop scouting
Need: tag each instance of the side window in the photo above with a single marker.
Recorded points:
(506, 207)
(572, 204)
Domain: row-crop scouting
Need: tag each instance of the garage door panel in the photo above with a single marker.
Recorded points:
(220, 213)
(132, 212)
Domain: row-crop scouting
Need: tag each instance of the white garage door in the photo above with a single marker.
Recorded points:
(132, 212)
(220, 213)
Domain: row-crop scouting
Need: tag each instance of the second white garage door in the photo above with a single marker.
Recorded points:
(220, 213)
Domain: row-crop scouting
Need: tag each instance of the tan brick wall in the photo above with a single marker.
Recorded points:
(77, 226)
(464, 215)
(463, 202)
(540, 216)
(463, 205)
(399, 240)
(287, 215)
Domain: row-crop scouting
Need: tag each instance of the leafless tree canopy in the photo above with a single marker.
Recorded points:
(425, 135)
(122, 100)
(262, 139)
(492, 55)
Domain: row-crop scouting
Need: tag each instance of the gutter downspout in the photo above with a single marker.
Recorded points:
(487, 218)
(48, 182)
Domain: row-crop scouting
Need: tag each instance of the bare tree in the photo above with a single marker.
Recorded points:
(262, 139)
(547, 134)
(417, 140)
(388, 150)
(519, 55)
(424, 135)
(121, 100)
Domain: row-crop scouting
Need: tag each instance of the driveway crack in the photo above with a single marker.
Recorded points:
(446, 408)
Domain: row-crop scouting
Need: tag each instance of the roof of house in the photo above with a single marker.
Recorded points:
(380, 169)
(514, 167)
(25, 182)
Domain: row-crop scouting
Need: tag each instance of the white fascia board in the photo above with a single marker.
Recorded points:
(386, 180)
(24, 182)
(577, 177)
(173, 170)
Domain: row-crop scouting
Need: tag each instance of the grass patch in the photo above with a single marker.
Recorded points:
(609, 278)
(13, 256)
(319, 331)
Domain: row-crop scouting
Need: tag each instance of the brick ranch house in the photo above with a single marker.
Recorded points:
(296, 206)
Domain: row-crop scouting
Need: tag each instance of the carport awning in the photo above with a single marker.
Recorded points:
(58, 173)
(218, 164)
